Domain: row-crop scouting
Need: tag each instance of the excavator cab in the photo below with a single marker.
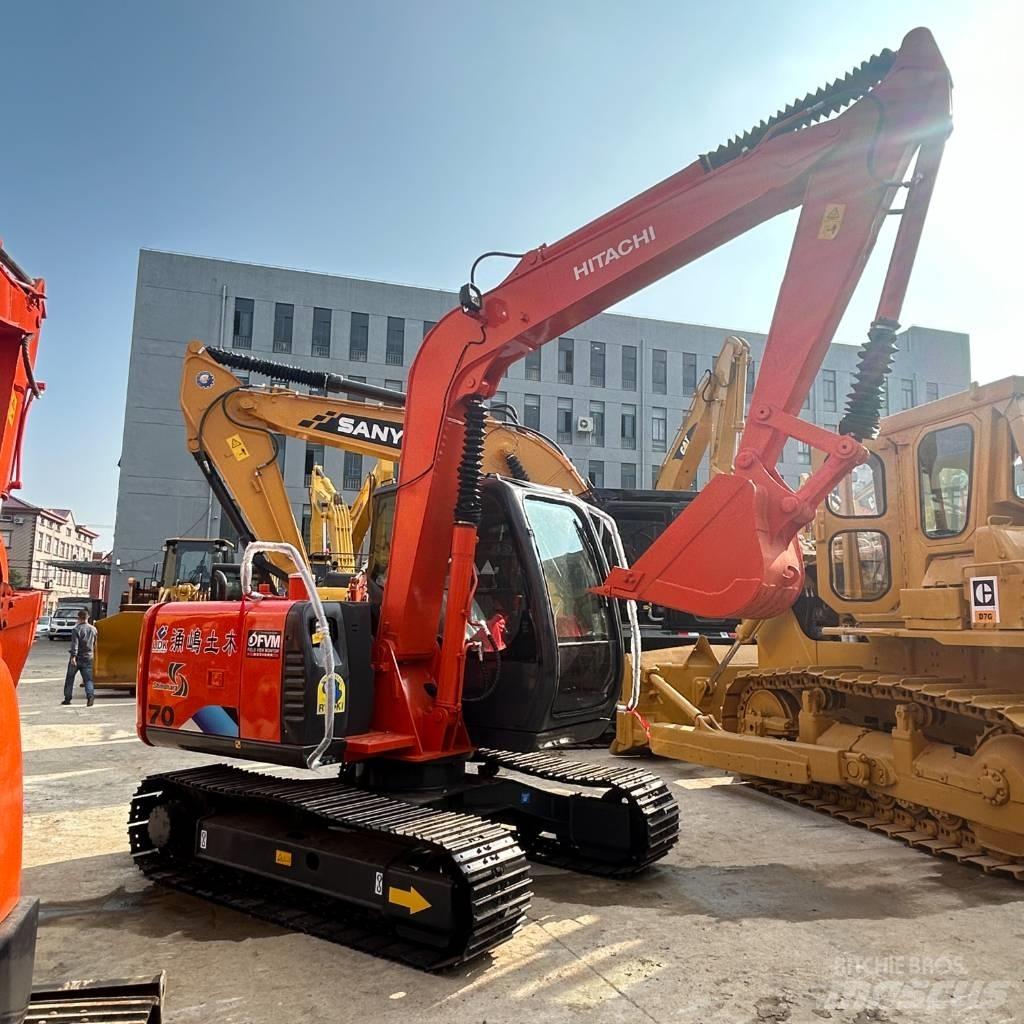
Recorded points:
(547, 658)
(189, 565)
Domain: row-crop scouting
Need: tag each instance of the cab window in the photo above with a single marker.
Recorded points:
(859, 563)
(944, 459)
(862, 493)
(569, 570)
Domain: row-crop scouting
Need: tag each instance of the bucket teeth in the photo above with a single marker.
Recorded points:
(827, 100)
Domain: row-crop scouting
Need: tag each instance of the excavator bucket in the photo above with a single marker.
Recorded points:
(117, 649)
(710, 559)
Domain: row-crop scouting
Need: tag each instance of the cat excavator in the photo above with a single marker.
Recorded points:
(494, 636)
(22, 311)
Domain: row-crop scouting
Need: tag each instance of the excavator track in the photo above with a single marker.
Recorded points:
(985, 711)
(472, 869)
(653, 812)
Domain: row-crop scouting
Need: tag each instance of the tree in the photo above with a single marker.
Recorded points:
(16, 580)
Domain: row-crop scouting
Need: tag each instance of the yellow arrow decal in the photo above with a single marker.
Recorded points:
(413, 900)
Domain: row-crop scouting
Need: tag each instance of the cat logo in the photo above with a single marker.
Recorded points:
(321, 696)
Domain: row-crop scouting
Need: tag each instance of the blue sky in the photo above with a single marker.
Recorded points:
(399, 140)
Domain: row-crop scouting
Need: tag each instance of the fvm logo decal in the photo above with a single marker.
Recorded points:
(176, 683)
(205, 380)
(263, 643)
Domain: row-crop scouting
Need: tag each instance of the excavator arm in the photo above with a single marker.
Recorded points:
(713, 423)
(733, 551)
(233, 430)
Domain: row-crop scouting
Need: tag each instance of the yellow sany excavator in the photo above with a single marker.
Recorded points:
(893, 698)
(233, 430)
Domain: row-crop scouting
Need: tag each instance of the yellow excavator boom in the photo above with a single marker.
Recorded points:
(713, 423)
(233, 429)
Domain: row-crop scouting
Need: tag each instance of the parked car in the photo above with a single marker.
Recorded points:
(62, 622)
(42, 626)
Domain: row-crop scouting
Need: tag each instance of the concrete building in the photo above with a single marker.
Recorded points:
(35, 537)
(628, 379)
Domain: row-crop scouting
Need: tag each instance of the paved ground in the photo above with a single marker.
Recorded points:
(764, 913)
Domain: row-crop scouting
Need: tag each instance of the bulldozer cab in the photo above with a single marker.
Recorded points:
(189, 566)
(928, 535)
(548, 657)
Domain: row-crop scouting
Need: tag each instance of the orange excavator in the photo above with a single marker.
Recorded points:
(492, 638)
(22, 310)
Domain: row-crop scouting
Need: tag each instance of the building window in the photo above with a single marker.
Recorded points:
(242, 334)
(885, 396)
(499, 405)
(394, 385)
(907, 393)
(279, 440)
(597, 364)
(750, 378)
(428, 326)
(809, 398)
(597, 415)
(828, 390)
(280, 382)
(689, 372)
(359, 337)
(533, 365)
(803, 453)
(314, 457)
(627, 432)
(531, 411)
(659, 429)
(655, 470)
(317, 391)
(359, 380)
(629, 367)
(627, 475)
(931, 391)
(307, 522)
(566, 350)
(352, 472)
(284, 316)
(563, 425)
(394, 354)
(659, 371)
(321, 346)
(595, 473)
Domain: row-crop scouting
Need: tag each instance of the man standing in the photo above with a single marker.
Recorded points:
(83, 647)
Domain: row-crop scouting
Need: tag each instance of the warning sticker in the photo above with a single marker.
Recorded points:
(985, 600)
(831, 220)
(283, 857)
(237, 447)
(321, 696)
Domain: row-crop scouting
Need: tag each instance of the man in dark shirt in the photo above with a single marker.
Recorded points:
(83, 649)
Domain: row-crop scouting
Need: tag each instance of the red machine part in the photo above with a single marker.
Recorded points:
(192, 658)
(734, 550)
(22, 309)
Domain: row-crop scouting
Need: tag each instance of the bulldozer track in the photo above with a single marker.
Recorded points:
(990, 710)
(654, 813)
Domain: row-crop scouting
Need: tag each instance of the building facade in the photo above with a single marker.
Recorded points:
(611, 393)
(35, 538)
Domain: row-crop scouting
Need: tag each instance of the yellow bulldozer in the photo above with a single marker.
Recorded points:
(892, 695)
